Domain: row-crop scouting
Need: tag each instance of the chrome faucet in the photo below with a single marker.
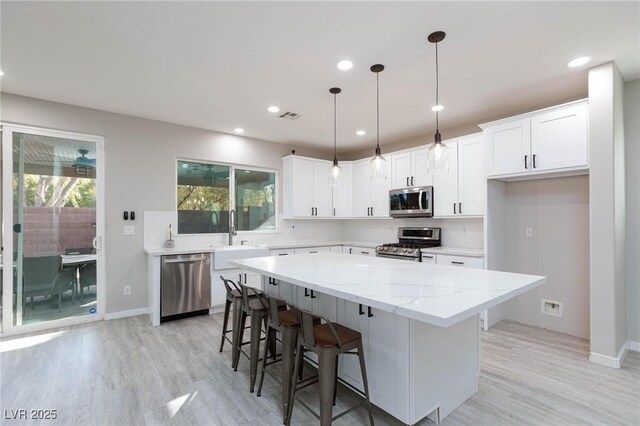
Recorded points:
(232, 226)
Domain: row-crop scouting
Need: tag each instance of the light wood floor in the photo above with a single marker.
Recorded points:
(127, 372)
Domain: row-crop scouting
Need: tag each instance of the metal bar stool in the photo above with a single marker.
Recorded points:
(254, 305)
(233, 298)
(328, 341)
(285, 322)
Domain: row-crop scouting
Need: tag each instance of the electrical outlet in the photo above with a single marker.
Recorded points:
(529, 231)
(552, 307)
(127, 290)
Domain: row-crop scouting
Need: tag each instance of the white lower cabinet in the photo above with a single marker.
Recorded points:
(281, 252)
(428, 258)
(336, 249)
(385, 338)
(312, 250)
(364, 251)
(463, 261)
(218, 290)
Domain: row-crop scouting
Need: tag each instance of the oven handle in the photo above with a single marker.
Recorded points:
(420, 200)
(391, 256)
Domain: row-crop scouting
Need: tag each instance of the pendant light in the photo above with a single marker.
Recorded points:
(336, 170)
(437, 155)
(378, 165)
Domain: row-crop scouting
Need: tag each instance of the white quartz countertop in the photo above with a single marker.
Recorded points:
(161, 251)
(303, 244)
(455, 251)
(435, 294)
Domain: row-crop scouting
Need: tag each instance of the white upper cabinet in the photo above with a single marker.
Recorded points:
(559, 139)
(307, 190)
(370, 197)
(460, 191)
(410, 169)
(552, 140)
(343, 194)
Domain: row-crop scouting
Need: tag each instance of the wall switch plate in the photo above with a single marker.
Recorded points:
(128, 230)
(552, 307)
(529, 231)
(127, 290)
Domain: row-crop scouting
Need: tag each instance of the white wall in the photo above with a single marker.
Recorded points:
(607, 215)
(558, 211)
(632, 158)
(140, 175)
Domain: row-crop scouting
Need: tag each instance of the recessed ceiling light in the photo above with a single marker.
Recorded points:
(361, 133)
(238, 130)
(437, 108)
(344, 65)
(247, 171)
(578, 62)
(273, 109)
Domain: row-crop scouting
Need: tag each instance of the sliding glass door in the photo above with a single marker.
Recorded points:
(52, 209)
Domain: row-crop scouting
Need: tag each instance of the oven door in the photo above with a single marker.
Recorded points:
(411, 202)
(392, 256)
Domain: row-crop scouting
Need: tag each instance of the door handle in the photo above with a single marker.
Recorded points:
(360, 311)
(369, 314)
(97, 243)
(313, 296)
(306, 292)
(407, 180)
(525, 161)
(371, 211)
(454, 208)
(17, 228)
(534, 161)
(411, 180)
(311, 211)
(460, 208)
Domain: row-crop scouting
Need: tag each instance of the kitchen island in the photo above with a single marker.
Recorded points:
(419, 322)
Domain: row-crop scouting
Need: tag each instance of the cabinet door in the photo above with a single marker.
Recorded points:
(462, 261)
(445, 185)
(322, 193)
(401, 170)
(471, 180)
(281, 252)
(270, 286)
(507, 146)
(364, 251)
(343, 194)
(419, 168)
(286, 292)
(303, 298)
(559, 138)
(429, 258)
(251, 279)
(380, 197)
(336, 249)
(302, 187)
(218, 290)
(361, 189)
(349, 315)
(312, 250)
(387, 359)
(325, 305)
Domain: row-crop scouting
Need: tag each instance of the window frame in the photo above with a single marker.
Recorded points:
(232, 192)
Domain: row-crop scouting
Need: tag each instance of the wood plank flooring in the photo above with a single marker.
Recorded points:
(126, 372)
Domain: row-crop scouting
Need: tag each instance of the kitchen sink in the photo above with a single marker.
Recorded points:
(222, 255)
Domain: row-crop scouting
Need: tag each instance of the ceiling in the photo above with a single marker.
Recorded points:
(218, 65)
(46, 155)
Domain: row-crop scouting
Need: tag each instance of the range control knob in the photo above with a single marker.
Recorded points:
(395, 249)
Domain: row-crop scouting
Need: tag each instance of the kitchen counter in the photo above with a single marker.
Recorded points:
(420, 321)
(303, 244)
(455, 251)
(162, 251)
(435, 294)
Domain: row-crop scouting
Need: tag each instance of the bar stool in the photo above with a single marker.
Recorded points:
(254, 304)
(285, 322)
(233, 298)
(327, 341)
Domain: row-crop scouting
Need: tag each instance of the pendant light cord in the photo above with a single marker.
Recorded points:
(335, 132)
(437, 89)
(378, 111)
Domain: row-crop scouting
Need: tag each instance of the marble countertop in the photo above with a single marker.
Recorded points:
(301, 244)
(455, 251)
(435, 294)
(161, 251)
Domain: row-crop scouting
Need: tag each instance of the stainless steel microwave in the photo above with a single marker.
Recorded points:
(411, 202)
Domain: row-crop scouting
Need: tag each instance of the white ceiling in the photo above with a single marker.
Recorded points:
(219, 65)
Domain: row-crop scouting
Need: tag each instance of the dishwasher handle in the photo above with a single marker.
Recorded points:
(184, 259)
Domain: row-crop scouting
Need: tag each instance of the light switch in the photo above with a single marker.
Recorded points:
(128, 230)
(529, 231)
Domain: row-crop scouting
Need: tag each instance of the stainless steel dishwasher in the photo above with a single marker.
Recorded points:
(185, 285)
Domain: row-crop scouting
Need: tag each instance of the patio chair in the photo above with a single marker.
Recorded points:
(87, 277)
(44, 276)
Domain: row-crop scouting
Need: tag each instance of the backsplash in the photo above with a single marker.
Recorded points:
(467, 233)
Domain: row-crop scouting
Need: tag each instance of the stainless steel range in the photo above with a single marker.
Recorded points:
(410, 242)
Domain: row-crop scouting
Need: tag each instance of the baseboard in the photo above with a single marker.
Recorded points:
(609, 361)
(634, 346)
(124, 314)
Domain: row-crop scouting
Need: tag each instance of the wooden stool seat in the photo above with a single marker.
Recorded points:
(326, 339)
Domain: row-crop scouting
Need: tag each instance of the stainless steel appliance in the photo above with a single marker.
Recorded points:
(185, 286)
(410, 243)
(411, 202)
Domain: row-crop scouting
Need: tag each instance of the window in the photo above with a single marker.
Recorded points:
(255, 200)
(204, 198)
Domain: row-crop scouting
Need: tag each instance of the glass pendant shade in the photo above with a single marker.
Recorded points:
(378, 166)
(335, 174)
(438, 158)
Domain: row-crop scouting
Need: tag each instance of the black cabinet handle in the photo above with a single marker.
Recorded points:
(334, 211)
(306, 292)
(457, 263)
(454, 208)
(350, 250)
(364, 252)
(240, 278)
(360, 311)
(371, 211)
(283, 254)
(460, 208)
(245, 278)
(315, 251)
(525, 161)
(411, 180)
(534, 161)
(427, 257)
(407, 180)
(313, 296)
(369, 314)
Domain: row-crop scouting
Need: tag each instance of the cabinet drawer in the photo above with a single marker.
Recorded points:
(428, 258)
(464, 261)
(312, 250)
(284, 252)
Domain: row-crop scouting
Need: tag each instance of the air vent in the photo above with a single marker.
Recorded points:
(290, 115)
